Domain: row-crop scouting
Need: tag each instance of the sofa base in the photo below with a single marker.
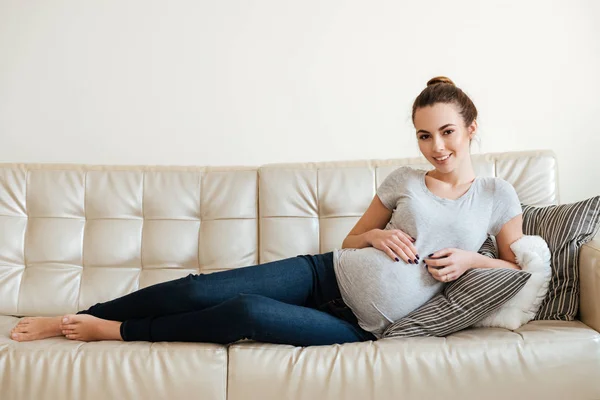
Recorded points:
(540, 360)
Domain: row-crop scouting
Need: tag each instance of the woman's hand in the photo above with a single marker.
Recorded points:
(449, 264)
(395, 243)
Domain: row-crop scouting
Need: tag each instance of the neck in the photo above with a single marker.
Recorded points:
(457, 177)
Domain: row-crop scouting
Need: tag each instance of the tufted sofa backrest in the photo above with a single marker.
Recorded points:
(75, 235)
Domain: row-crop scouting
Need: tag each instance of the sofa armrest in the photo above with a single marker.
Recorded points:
(589, 283)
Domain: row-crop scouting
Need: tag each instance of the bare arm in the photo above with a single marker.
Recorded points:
(375, 218)
(510, 232)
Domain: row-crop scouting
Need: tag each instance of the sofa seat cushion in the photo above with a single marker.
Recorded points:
(59, 368)
(541, 359)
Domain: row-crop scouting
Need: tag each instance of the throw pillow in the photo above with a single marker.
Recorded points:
(532, 255)
(462, 303)
(488, 248)
(565, 227)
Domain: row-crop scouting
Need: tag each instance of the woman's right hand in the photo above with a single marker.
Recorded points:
(395, 243)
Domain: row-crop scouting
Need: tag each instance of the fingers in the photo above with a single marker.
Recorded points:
(398, 245)
(449, 277)
(404, 249)
(409, 241)
(395, 254)
(438, 262)
(411, 250)
(436, 274)
(441, 253)
(443, 274)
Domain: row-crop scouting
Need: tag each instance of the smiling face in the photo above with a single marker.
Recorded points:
(441, 131)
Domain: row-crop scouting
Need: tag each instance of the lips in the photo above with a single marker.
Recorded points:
(441, 159)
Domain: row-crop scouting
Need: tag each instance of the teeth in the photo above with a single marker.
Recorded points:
(443, 158)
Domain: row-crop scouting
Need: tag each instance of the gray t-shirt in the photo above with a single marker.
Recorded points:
(380, 290)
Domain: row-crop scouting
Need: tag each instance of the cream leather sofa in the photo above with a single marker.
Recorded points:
(74, 235)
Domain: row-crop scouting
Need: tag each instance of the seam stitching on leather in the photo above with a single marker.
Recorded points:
(142, 232)
(24, 242)
(83, 238)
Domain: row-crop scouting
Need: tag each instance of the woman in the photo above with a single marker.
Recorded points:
(347, 295)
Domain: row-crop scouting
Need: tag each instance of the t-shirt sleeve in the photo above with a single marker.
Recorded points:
(389, 190)
(506, 206)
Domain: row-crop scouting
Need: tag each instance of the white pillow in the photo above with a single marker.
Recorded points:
(532, 255)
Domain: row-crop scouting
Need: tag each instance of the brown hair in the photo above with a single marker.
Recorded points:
(442, 90)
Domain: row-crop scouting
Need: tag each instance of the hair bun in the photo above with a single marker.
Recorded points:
(440, 79)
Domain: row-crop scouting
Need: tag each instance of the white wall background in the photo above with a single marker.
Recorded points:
(239, 82)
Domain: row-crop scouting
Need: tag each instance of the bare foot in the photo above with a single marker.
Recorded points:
(88, 328)
(36, 328)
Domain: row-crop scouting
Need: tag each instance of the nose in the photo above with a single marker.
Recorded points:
(437, 144)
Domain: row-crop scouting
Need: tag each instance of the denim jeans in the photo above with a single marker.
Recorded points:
(293, 301)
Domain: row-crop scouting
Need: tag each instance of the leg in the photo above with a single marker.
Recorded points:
(248, 316)
(307, 280)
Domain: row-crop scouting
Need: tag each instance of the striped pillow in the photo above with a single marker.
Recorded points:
(488, 248)
(462, 303)
(565, 227)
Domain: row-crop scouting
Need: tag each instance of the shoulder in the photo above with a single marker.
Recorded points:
(495, 185)
(403, 170)
(505, 197)
(393, 186)
(401, 173)
(411, 171)
(503, 188)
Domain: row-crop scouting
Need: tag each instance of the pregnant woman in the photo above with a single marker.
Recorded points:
(422, 229)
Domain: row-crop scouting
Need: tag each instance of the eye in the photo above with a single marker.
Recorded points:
(449, 130)
(423, 136)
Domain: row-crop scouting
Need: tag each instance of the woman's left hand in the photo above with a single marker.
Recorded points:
(449, 264)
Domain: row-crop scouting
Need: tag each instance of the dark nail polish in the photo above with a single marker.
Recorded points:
(416, 262)
(417, 256)
(397, 259)
(430, 255)
(409, 261)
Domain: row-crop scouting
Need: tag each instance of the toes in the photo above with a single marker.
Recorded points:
(67, 331)
(21, 323)
(72, 336)
(19, 337)
(69, 319)
(20, 329)
(68, 326)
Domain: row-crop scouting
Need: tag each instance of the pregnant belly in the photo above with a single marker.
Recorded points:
(378, 288)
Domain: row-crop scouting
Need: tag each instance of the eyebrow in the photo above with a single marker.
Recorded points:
(441, 128)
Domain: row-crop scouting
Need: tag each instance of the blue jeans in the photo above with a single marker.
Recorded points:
(293, 301)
